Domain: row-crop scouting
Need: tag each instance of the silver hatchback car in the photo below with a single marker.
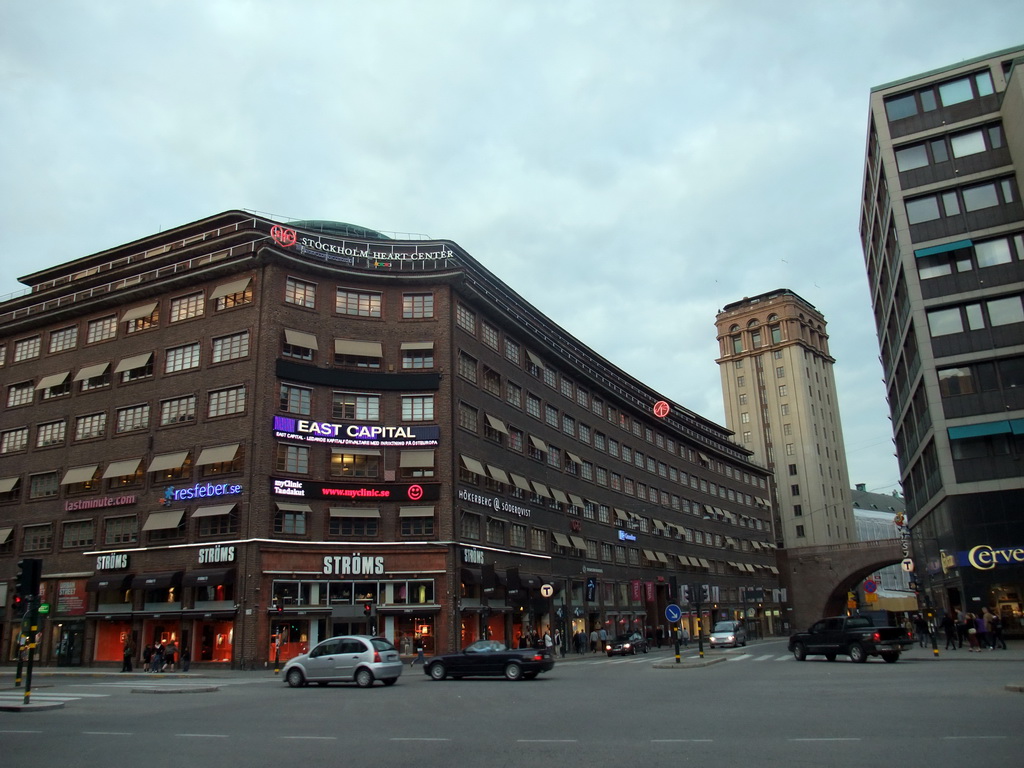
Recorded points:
(343, 659)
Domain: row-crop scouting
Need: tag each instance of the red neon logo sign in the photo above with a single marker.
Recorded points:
(661, 409)
(283, 236)
(415, 492)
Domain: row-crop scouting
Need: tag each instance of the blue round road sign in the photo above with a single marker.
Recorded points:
(673, 613)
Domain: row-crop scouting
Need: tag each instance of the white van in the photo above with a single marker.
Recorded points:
(728, 634)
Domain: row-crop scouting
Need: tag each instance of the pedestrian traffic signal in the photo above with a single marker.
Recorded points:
(17, 606)
(277, 606)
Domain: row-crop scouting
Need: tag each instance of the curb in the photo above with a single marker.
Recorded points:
(690, 663)
(31, 707)
(196, 689)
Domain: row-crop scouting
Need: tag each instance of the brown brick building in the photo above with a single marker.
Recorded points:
(240, 433)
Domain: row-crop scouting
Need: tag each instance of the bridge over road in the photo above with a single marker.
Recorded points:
(817, 578)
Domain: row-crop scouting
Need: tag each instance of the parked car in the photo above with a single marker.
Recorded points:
(854, 636)
(728, 634)
(347, 658)
(491, 658)
(629, 643)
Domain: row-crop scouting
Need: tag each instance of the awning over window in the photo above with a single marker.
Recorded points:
(7, 483)
(358, 348)
(417, 345)
(122, 468)
(164, 461)
(497, 424)
(208, 577)
(161, 521)
(979, 430)
(229, 289)
(658, 523)
(300, 339)
(521, 482)
(354, 512)
(695, 562)
(662, 557)
(214, 510)
(577, 501)
(91, 371)
(5, 534)
(161, 580)
(703, 563)
(416, 459)
(139, 312)
(620, 514)
(497, 473)
(562, 540)
(575, 459)
(474, 466)
(649, 555)
(560, 496)
(103, 582)
(541, 490)
(936, 249)
(416, 511)
(285, 506)
(53, 380)
(79, 474)
(578, 543)
(133, 362)
(534, 359)
(217, 455)
(539, 444)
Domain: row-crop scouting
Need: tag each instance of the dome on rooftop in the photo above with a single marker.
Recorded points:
(338, 229)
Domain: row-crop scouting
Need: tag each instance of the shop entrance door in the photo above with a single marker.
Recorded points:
(69, 646)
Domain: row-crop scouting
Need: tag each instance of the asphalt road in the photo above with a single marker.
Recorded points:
(760, 707)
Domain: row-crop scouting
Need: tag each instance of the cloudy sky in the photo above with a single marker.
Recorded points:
(628, 167)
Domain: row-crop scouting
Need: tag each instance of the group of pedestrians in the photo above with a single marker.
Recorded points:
(981, 631)
(161, 657)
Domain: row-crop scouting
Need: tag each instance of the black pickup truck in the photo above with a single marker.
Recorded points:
(854, 636)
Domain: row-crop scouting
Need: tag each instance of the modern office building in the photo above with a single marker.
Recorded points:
(942, 228)
(245, 436)
(780, 400)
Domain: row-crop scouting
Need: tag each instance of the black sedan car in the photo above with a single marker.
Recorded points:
(623, 645)
(490, 658)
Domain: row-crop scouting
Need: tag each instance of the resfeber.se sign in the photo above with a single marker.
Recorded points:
(330, 433)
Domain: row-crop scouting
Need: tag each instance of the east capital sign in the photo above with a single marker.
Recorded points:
(330, 433)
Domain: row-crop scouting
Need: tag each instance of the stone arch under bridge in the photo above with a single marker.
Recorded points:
(817, 578)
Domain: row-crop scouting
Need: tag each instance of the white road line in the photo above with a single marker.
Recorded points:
(546, 741)
(415, 738)
(107, 733)
(972, 737)
(203, 735)
(10, 730)
(740, 658)
(321, 738)
(828, 739)
(765, 657)
(681, 741)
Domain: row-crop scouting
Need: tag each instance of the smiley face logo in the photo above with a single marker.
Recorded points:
(415, 492)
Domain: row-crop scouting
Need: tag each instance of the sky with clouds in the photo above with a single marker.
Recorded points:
(628, 167)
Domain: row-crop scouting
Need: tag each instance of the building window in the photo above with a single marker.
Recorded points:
(219, 525)
(794, 490)
(14, 440)
(416, 359)
(101, 329)
(177, 410)
(185, 307)
(354, 464)
(465, 318)
(741, 381)
(136, 372)
(467, 366)
(972, 317)
(226, 401)
(91, 426)
(26, 349)
(967, 199)
(533, 405)
(99, 381)
(790, 449)
(417, 306)
(742, 399)
(798, 510)
(469, 417)
(51, 433)
(489, 334)
(418, 526)
(491, 382)
(290, 522)
(780, 372)
(354, 526)
(783, 390)
(513, 394)
(231, 347)
(551, 416)
(355, 406)
(800, 532)
(64, 339)
(297, 400)
(137, 324)
(417, 407)
(292, 458)
(568, 424)
(236, 299)
(792, 469)
(945, 94)
(121, 530)
(43, 486)
(515, 439)
(132, 418)
(512, 351)
(182, 358)
(745, 417)
(297, 351)
(77, 534)
(300, 292)
(471, 527)
(20, 394)
(495, 531)
(358, 303)
(37, 538)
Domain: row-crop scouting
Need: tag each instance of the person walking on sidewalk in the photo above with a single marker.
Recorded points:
(949, 628)
(128, 652)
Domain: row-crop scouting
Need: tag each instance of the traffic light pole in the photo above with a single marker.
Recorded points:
(32, 617)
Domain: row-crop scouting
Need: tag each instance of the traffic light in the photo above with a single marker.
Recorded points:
(17, 606)
(684, 594)
(367, 609)
(704, 592)
(277, 606)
